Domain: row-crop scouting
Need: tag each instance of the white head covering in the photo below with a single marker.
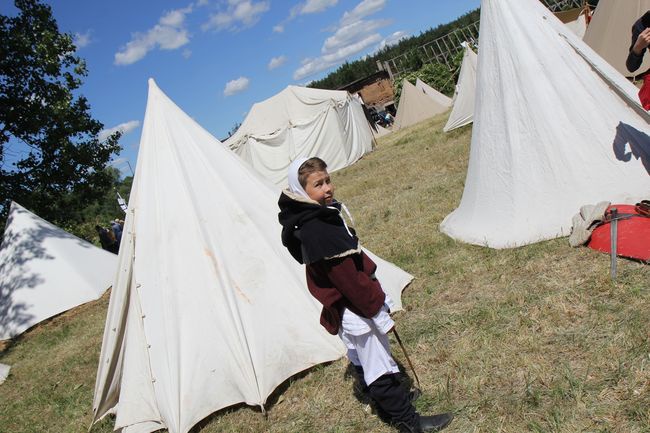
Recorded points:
(294, 184)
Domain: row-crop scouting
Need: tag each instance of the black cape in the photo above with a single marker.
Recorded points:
(312, 232)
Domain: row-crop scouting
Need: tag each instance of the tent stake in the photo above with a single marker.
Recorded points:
(613, 239)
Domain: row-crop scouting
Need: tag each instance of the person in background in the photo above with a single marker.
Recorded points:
(117, 229)
(640, 43)
(107, 239)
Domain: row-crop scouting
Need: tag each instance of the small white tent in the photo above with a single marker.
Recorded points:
(381, 131)
(45, 271)
(440, 98)
(610, 31)
(575, 19)
(555, 126)
(298, 122)
(208, 309)
(463, 111)
(415, 106)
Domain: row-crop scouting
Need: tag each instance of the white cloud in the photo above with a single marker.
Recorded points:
(351, 36)
(304, 8)
(202, 2)
(123, 165)
(392, 39)
(169, 34)
(276, 62)
(187, 53)
(82, 39)
(124, 128)
(363, 9)
(350, 33)
(311, 7)
(118, 161)
(238, 14)
(313, 66)
(236, 86)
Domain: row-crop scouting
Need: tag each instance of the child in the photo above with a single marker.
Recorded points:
(341, 277)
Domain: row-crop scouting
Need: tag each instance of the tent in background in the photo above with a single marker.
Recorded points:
(298, 122)
(45, 271)
(463, 111)
(575, 19)
(610, 31)
(208, 309)
(381, 131)
(440, 98)
(415, 106)
(555, 127)
(4, 372)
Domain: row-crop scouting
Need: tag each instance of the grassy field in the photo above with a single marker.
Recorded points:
(533, 339)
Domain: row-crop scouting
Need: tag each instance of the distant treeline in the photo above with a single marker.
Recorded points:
(349, 72)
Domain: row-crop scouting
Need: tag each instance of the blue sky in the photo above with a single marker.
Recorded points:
(215, 58)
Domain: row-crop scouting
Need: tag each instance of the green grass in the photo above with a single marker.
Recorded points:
(533, 339)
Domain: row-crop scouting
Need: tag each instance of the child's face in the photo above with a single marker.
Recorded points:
(319, 187)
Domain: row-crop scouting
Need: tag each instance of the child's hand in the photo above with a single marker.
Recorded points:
(642, 42)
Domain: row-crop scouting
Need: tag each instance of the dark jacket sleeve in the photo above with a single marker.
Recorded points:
(634, 61)
(356, 284)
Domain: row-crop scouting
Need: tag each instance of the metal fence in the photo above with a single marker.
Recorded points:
(560, 5)
(440, 50)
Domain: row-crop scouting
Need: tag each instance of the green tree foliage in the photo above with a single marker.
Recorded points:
(51, 160)
(103, 211)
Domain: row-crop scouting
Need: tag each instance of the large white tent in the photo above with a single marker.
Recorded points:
(463, 111)
(555, 127)
(302, 122)
(415, 105)
(45, 271)
(610, 31)
(208, 309)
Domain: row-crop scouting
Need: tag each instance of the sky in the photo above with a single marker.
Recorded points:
(216, 58)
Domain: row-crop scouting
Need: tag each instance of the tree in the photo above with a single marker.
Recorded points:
(51, 159)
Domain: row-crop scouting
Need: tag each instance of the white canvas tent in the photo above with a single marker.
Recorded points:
(415, 106)
(575, 19)
(610, 31)
(208, 309)
(440, 98)
(4, 372)
(45, 271)
(302, 122)
(381, 131)
(463, 111)
(555, 127)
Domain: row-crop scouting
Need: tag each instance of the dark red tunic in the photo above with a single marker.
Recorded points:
(345, 282)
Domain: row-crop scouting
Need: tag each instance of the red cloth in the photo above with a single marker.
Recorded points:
(345, 282)
(644, 93)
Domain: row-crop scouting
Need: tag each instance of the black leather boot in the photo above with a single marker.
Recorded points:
(435, 422)
(432, 423)
(395, 402)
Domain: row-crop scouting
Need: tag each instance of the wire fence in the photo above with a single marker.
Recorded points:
(441, 50)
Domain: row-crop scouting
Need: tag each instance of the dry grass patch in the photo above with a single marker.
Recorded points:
(533, 339)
